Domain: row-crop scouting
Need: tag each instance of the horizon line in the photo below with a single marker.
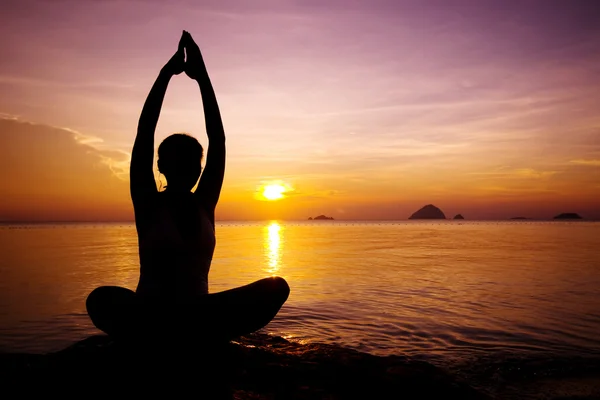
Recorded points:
(7, 222)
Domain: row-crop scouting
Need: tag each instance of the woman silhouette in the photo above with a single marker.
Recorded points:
(176, 232)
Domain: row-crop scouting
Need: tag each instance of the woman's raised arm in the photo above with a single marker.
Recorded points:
(142, 183)
(209, 188)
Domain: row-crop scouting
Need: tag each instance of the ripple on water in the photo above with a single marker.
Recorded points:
(438, 291)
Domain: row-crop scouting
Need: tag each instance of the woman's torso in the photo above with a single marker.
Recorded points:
(176, 246)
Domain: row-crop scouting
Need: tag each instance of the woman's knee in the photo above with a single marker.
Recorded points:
(105, 297)
(94, 299)
(279, 287)
(110, 308)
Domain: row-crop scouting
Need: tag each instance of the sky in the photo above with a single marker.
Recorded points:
(361, 109)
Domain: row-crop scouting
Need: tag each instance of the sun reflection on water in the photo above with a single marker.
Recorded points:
(272, 247)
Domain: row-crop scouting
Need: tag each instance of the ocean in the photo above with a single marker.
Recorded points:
(477, 298)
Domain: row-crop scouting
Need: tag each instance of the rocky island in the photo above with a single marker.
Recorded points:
(458, 216)
(320, 217)
(428, 212)
(257, 367)
(568, 216)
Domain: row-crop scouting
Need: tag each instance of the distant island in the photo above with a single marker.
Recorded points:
(428, 212)
(320, 217)
(458, 216)
(519, 218)
(568, 216)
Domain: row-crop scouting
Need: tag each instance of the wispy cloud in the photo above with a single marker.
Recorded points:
(57, 84)
(511, 175)
(589, 163)
(116, 160)
(534, 174)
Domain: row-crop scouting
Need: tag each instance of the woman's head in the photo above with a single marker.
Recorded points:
(179, 160)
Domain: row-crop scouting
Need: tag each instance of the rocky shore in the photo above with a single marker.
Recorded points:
(257, 366)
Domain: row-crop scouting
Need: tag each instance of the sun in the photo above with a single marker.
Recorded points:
(273, 192)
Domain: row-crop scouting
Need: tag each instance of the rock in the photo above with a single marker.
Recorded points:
(323, 217)
(428, 212)
(257, 366)
(568, 216)
(458, 216)
(310, 218)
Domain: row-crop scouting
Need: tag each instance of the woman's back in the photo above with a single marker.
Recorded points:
(176, 246)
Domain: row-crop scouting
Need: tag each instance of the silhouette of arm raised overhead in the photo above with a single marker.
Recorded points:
(142, 183)
(209, 188)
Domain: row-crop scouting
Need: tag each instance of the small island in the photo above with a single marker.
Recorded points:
(568, 216)
(519, 218)
(320, 217)
(458, 216)
(428, 212)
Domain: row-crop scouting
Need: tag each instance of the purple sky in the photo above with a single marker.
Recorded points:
(472, 104)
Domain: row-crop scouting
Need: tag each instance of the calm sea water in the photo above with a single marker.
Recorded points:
(449, 292)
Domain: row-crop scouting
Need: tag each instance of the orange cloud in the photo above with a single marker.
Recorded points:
(51, 174)
(590, 163)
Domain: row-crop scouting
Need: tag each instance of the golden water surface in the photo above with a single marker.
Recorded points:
(445, 289)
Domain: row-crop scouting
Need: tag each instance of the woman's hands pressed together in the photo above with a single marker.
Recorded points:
(176, 64)
(187, 58)
(194, 64)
